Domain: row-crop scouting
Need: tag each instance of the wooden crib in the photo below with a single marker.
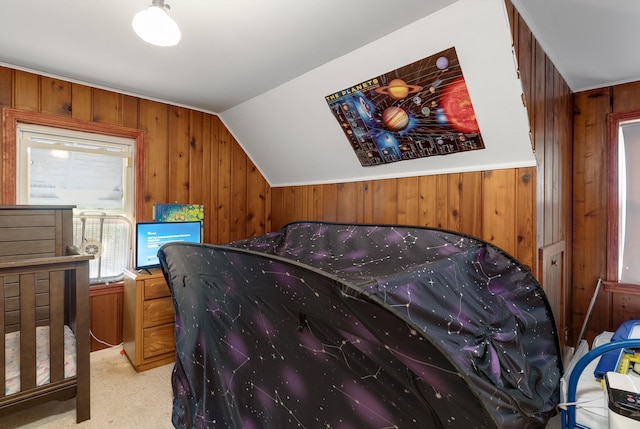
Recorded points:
(44, 298)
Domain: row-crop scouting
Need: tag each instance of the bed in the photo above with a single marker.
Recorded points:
(351, 326)
(46, 349)
(44, 310)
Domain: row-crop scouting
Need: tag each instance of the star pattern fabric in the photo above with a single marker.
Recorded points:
(326, 325)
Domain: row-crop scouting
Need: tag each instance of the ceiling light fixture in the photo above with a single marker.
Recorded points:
(155, 26)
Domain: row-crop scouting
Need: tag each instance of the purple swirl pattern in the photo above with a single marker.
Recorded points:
(323, 325)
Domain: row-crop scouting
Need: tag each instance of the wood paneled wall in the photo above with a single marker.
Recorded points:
(190, 156)
(590, 205)
(550, 108)
(497, 206)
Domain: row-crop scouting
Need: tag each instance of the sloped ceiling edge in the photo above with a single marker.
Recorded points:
(293, 138)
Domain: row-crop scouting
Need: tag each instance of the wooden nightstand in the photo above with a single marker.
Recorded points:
(148, 320)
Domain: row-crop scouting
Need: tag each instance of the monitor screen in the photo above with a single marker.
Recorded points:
(150, 236)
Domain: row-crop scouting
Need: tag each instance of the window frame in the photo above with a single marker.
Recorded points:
(10, 120)
(612, 282)
(123, 149)
(8, 167)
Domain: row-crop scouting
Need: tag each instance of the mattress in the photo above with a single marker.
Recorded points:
(12, 357)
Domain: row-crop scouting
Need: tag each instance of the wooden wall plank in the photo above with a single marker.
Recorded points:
(6, 100)
(549, 144)
(454, 199)
(300, 203)
(428, 215)
(201, 194)
(498, 216)
(224, 185)
(196, 169)
(348, 202)
(179, 160)
(129, 110)
(470, 207)
(363, 208)
(512, 16)
(525, 250)
(212, 149)
(81, 102)
(525, 55)
(106, 312)
(367, 201)
(566, 175)
(625, 97)
(238, 215)
(26, 91)
(107, 107)
(153, 119)
(314, 202)
(385, 201)
(55, 96)
(330, 202)
(589, 208)
(6, 87)
(558, 191)
(627, 307)
(442, 201)
(278, 209)
(409, 201)
(256, 217)
(537, 116)
(267, 207)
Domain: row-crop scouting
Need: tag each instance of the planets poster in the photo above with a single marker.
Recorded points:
(422, 109)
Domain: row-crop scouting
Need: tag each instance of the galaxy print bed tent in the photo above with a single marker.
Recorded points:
(323, 325)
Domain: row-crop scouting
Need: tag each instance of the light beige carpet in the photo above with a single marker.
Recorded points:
(121, 398)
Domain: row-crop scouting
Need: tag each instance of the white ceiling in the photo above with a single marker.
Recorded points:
(592, 43)
(249, 61)
(231, 50)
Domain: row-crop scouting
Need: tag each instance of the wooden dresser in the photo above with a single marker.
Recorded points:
(149, 319)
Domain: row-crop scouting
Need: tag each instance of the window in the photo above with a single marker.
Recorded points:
(104, 211)
(624, 198)
(94, 172)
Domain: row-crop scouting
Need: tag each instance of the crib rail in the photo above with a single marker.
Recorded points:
(64, 281)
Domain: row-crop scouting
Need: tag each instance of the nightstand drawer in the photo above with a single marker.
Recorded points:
(156, 288)
(148, 320)
(157, 340)
(158, 311)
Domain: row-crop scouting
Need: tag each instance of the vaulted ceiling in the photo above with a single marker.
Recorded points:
(265, 66)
